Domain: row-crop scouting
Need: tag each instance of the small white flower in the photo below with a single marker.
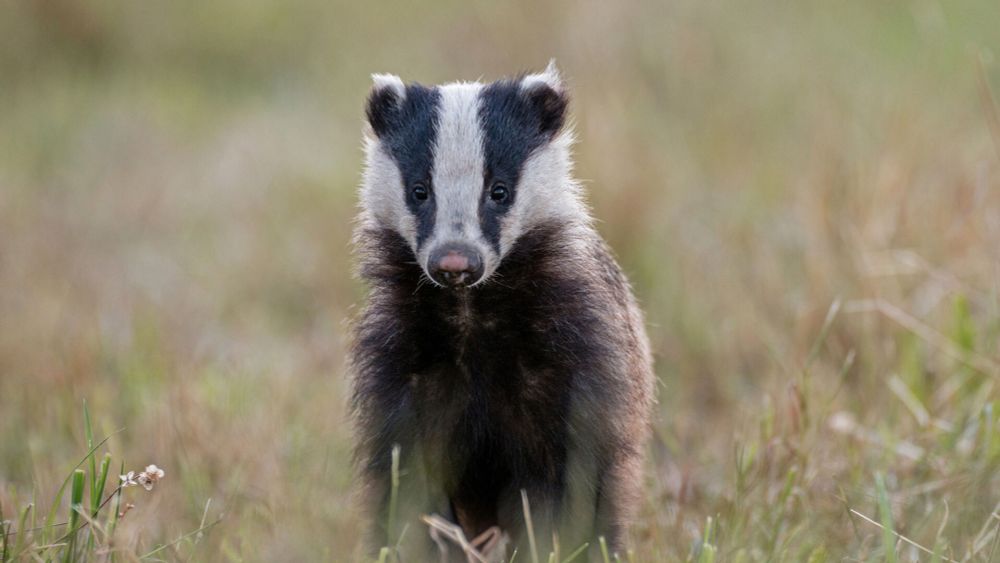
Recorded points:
(152, 470)
(150, 476)
(146, 478)
(128, 480)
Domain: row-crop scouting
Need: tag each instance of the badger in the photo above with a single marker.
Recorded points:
(501, 373)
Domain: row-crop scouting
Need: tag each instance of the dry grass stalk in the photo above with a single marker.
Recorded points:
(484, 548)
(901, 536)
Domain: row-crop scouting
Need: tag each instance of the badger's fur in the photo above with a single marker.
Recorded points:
(532, 372)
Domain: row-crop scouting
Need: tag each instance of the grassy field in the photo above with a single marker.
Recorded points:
(806, 196)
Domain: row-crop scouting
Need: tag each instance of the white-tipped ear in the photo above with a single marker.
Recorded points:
(548, 77)
(390, 82)
(384, 102)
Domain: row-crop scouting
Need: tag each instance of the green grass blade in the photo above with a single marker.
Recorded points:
(824, 331)
(95, 497)
(102, 480)
(576, 553)
(113, 517)
(936, 557)
(707, 552)
(885, 511)
(393, 495)
(4, 530)
(526, 507)
(96, 493)
(22, 534)
(88, 432)
(604, 550)
(75, 506)
(964, 332)
(51, 517)
(818, 554)
(163, 547)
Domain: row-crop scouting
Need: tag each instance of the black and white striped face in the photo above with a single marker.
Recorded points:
(460, 171)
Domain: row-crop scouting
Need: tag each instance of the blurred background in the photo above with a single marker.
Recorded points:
(806, 196)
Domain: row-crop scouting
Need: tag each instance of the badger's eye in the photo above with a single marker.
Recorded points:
(420, 192)
(500, 193)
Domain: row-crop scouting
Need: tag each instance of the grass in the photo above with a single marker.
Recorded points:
(88, 531)
(806, 197)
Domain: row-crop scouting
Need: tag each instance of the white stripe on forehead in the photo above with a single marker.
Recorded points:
(458, 163)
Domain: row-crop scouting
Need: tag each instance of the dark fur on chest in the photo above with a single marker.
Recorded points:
(482, 380)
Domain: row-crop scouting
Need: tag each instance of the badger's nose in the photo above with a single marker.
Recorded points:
(455, 265)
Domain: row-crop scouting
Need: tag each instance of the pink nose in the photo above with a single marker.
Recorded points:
(453, 262)
(455, 265)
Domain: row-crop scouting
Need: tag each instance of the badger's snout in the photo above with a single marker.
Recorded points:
(455, 265)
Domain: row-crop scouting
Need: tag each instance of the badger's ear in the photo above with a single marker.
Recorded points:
(547, 96)
(384, 102)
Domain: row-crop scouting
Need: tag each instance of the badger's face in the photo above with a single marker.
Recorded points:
(461, 171)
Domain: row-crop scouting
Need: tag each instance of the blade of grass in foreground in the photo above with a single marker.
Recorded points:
(576, 553)
(707, 554)
(102, 479)
(4, 529)
(531, 527)
(75, 505)
(113, 517)
(604, 549)
(50, 519)
(885, 510)
(22, 525)
(393, 495)
(96, 493)
(200, 530)
(88, 432)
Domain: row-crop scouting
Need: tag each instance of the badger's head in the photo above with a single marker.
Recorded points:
(462, 170)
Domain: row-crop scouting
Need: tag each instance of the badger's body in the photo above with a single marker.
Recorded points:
(501, 348)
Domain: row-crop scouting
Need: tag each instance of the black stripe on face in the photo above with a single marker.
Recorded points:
(408, 132)
(515, 122)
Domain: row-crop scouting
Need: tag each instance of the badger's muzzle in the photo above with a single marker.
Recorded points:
(455, 265)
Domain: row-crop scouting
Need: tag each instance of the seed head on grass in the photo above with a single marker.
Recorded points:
(124, 511)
